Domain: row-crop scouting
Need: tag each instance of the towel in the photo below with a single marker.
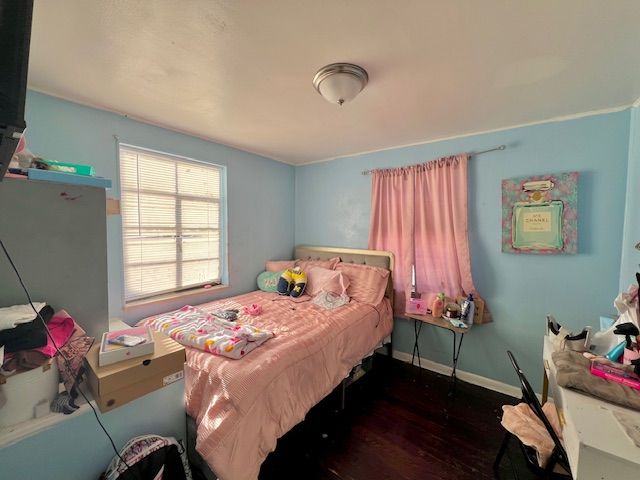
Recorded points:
(521, 421)
(573, 371)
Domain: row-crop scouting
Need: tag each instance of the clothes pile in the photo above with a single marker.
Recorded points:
(30, 341)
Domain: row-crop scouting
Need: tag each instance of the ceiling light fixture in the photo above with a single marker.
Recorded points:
(340, 82)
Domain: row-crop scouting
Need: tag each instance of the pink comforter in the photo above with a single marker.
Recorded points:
(242, 407)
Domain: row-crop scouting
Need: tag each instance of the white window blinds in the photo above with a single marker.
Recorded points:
(170, 222)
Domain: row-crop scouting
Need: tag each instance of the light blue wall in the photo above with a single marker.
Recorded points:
(630, 256)
(259, 190)
(333, 208)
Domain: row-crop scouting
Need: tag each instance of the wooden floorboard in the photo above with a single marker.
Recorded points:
(399, 423)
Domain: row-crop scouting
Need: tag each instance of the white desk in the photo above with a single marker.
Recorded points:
(597, 446)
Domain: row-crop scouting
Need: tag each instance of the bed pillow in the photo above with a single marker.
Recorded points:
(306, 265)
(279, 265)
(367, 284)
(323, 279)
(268, 281)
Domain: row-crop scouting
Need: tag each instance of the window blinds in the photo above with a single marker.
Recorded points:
(170, 222)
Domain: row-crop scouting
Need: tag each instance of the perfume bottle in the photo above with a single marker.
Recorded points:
(537, 225)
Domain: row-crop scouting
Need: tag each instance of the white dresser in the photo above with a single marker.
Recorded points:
(597, 446)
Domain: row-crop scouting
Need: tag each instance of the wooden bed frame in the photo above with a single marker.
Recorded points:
(376, 258)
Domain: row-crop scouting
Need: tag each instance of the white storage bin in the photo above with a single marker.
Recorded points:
(23, 391)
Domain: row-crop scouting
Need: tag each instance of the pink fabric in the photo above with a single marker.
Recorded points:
(61, 326)
(254, 309)
(242, 407)
(442, 255)
(524, 424)
(278, 265)
(420, 214)
(367, 284)
(73, 354)
(322, 279)
(306, 265)
(391, 226)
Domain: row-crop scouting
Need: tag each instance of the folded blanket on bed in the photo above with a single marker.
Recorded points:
(195, 328)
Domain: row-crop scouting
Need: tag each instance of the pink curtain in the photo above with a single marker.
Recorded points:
(420, 214)
(391, 226)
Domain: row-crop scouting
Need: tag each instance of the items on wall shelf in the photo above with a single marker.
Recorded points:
(71, 178)
(25, 163)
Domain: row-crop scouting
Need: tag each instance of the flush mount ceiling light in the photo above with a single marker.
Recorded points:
(340, 82)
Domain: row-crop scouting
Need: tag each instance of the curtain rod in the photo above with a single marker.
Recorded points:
(471, 154)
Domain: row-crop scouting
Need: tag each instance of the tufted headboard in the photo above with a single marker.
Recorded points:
(376, 258)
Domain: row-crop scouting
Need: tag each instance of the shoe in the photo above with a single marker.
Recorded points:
(561, 338)
(228, 315)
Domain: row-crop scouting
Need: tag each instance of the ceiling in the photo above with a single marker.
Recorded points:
(239, 72)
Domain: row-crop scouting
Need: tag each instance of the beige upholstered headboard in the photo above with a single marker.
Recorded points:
(376, 258)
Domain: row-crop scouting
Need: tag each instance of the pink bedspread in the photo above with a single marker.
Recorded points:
(242, 407)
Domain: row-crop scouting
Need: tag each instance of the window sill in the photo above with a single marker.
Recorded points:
(167, 297)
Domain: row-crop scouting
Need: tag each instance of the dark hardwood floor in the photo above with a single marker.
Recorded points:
(399, 423)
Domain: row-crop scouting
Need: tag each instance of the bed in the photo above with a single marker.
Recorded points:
(237, 409)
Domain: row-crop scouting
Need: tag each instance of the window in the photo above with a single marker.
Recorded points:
(171, 222)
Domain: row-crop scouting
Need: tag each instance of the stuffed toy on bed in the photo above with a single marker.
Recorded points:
(292, 282)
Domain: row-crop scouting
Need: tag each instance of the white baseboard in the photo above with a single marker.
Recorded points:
(468, 377)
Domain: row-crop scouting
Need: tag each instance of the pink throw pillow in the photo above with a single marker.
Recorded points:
(279, 265)
(322, 279)
(306, 265)
(367, 284)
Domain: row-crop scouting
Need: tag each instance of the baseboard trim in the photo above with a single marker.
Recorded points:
(468, 377)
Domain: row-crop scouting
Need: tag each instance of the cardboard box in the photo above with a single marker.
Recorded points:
(112, 353)
(122, 382)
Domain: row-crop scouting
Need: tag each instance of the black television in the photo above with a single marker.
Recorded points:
(15, 36)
